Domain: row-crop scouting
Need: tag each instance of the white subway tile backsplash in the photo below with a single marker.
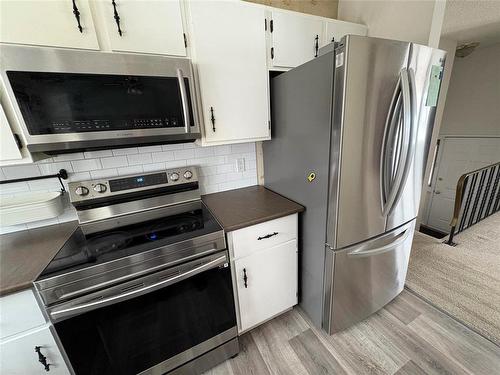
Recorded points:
(146, 149)
(114, 162)
(184, 154)
(86, 165)
(104, 173)
(130, 170)
(68, 157)
(139, 159)
(163, 156)
(216, 167)
(21, 171)
(97, 154)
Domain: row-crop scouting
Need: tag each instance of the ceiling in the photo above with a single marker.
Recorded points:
(472, 21)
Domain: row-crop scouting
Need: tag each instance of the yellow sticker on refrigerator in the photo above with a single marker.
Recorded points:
(434, 85)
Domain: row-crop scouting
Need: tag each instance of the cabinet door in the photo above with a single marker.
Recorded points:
(47, 23)
(8, 145)
(335, 30)
(18, 356)
(271, 283)
(294, 38)
(144, 26)
(230, 56)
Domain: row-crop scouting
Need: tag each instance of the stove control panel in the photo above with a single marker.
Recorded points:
(85, 191)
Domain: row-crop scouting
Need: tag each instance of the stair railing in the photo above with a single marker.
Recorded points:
(477, 197)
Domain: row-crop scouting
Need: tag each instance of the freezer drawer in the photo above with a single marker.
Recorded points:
(365, 277)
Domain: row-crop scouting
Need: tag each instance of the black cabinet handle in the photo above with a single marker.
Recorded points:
(267, 236)
(316, 46)
(245, 278)
(42, 359)
(116, 17)
(212, 118)
(76, 12)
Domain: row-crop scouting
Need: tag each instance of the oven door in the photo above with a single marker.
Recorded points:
(153, 324)
(70, 100)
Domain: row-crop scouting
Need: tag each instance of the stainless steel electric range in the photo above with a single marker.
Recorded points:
(143, 285)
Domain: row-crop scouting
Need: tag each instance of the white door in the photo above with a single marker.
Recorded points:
(47, 23)
(18, 356)
(8, 145)
(335, 30)
(144, 26)
(294, 38)
(230, 58)
(457, 156)
(270, 286)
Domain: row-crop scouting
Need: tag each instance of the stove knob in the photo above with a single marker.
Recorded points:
(188, 175)
(81, 191)
(100, 188)
(174, 176)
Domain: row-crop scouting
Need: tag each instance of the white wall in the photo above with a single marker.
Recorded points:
(216, 166)
(473, 100)
(410, 20)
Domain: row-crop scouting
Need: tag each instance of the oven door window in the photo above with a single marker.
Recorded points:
(58, 103)
(137, 334)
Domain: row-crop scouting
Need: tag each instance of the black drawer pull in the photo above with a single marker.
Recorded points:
(76, 12)
(245, 278)
(267, 236)
(116, 16)
(42, 359)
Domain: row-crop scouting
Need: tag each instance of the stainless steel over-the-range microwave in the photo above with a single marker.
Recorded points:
(65, 100)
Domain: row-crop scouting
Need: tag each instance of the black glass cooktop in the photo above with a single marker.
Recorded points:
(81, 251)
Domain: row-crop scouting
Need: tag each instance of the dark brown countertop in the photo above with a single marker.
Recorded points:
(239, 208)
(25, 254)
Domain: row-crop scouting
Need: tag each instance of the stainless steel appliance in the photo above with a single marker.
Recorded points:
(67, 100)
(351, 132)
(143, 285)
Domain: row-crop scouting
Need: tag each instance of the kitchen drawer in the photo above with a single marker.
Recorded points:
(18, 356)
(18, 313)
(245, 241)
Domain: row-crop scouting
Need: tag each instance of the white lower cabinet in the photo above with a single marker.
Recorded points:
(18, 356)
(265, 280)
(23, 330)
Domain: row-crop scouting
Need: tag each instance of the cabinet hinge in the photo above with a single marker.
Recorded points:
(269, 124)
(185, 40)
(272, 52)
(18, 141)
(265, 24)
(271, 26)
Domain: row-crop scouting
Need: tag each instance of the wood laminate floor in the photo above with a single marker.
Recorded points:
(408, 336)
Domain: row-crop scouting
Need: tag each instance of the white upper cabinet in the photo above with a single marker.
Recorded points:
(229, 43)
(295, 38)
(144, 26)
(335, 30)
(57, 23)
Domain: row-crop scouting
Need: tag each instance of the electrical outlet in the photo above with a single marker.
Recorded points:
(240, 165)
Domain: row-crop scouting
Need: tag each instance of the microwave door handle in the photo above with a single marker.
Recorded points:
(184, 99)
(85, 307)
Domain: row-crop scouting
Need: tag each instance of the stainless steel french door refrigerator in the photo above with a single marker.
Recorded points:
(350, 139)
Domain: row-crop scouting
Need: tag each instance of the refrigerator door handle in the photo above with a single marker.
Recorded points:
(392, 180)
(413, 137)
(398, 240)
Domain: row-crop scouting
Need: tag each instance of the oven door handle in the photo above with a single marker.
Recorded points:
(184, 98)
(85, 307)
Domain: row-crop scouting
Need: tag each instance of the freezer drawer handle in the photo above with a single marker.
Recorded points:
(267, 236)
(399, 239)
(245, 278)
